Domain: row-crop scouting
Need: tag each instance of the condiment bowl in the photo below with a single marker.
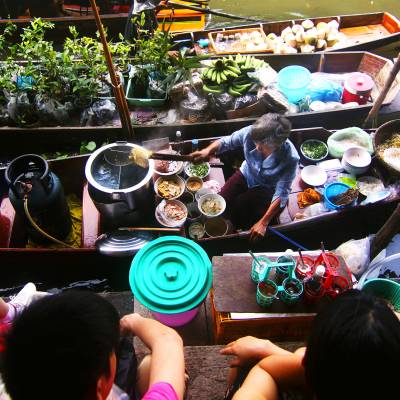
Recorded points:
(174, 178)
(310, 159)
(189, 164)
(194, 180)
(212, 196)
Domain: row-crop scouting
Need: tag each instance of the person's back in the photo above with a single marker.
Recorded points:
(64, 347)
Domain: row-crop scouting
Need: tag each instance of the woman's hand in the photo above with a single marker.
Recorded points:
(249, 350)
(258, 230)
(200, 155)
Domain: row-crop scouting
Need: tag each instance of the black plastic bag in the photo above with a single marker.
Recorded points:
(244, 101)
(99, 113)
(52, 112)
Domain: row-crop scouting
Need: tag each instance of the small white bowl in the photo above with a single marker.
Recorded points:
(314, 175)
(188, 173)
(174, 178)
(212, 196)
(356, 160)
(202, 192)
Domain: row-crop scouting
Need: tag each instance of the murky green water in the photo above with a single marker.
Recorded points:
(287, 9)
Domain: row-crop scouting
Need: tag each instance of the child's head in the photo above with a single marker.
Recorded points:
(353, 351)
(62, 347)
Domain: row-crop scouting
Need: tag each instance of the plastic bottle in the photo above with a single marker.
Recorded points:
(178, 142)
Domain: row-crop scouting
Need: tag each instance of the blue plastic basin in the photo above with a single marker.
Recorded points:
(332, 190)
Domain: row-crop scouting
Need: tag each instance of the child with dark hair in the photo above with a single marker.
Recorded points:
(352, 353)
(64, 347)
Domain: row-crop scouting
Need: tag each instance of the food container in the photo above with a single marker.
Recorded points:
(194, 213)
(356, 160)
(266, 292)
(209, 200)
(292, 290)
(194, 184)
(216, 227)
(293, 82)
(167, 221)
(196, 230)
(332, 190)
(176, 179)
(189, 169)
(171, 276)
(313, 175)
(256, 271)
(302, 271)
(357, 88)
(282, 272)
(310, 142)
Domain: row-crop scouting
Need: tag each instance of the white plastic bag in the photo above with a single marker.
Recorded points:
(356, 253)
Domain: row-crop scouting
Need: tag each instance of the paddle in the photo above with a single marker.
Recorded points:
(377, 105)
(212, 12)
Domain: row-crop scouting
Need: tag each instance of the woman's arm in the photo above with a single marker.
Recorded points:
(206, 153)
(258, 230)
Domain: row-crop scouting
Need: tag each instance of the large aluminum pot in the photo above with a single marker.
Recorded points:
(120, 189)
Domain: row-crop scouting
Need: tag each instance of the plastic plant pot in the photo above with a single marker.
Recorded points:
(292, 291)
(256, 272)
(266, 292)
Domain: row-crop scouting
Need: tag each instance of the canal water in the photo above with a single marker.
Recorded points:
(287, 9)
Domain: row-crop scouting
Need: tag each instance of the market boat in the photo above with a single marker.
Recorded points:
(72, 176)
(68, 138)
(176, 20)
(362, 32)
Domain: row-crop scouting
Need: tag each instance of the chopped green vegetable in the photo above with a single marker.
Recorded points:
(314, 149)
(199, 170)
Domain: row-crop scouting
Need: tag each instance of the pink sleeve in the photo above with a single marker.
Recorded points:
(161, 391)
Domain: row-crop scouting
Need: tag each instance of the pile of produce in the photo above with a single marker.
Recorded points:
(389, 151)
(240, 41)
(306, 38)
(229, 74)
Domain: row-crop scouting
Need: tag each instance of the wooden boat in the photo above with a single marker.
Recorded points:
(176, 20)
(52, 139)
(363, 31)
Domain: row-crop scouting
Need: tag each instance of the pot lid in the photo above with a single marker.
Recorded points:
(171, 275)
(359, 82)
(122, 243)
(110, 169)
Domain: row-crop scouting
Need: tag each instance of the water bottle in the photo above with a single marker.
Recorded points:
(178, 142)
(313, 286)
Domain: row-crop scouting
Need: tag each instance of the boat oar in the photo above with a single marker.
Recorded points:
(212, 12)
(377, 105)
(119, 93)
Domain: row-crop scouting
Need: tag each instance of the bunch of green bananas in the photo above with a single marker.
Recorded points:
(229, 74)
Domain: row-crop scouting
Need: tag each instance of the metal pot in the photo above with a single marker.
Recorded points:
(120, 190)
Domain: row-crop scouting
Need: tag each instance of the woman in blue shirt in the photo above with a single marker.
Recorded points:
(260, 189)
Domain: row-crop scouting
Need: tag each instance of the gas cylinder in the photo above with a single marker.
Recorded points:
(30, 180)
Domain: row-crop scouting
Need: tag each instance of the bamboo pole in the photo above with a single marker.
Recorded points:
(119, 93)
(377, 105)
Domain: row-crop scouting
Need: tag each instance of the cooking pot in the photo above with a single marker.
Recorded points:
(120, 189)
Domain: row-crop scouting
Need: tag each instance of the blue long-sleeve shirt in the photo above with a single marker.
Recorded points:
(276, 172)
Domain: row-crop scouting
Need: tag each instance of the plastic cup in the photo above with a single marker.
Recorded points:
(283, 272)
(266, 292)
(256, 272)
(292, 291)
(306, 270)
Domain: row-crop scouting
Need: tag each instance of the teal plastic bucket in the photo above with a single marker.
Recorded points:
(171, 276)
(386, 289)
(293, 82)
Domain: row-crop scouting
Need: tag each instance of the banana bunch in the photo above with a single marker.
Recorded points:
(229, 74)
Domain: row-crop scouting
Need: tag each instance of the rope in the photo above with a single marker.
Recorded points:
(273, 230)
(40, 230)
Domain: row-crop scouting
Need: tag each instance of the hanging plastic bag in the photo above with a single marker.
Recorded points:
(343, 139)
(356, 254)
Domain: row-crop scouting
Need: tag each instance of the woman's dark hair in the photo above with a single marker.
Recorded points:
(60, 346)
(271, 129)
(353, 350)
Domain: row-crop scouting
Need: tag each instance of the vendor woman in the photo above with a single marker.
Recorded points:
(260, 189)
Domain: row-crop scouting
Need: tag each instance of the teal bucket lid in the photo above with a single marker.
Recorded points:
(171, 275)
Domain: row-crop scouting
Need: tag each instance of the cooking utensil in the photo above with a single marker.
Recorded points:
(148, 229)
(141, 156)
(122, 243)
